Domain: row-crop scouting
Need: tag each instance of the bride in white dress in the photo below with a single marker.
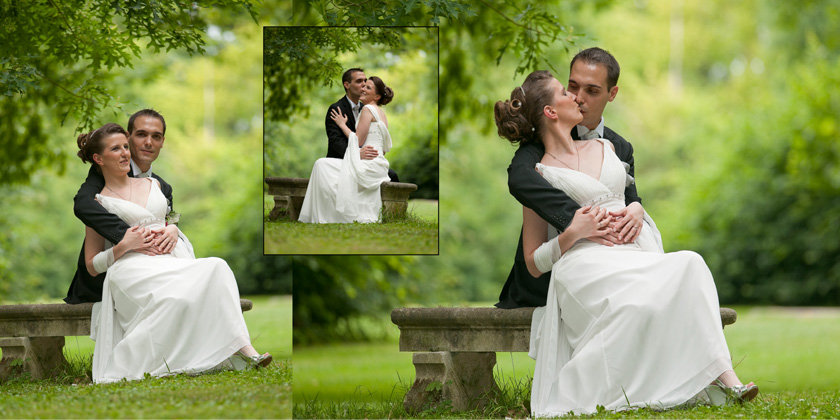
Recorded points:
(160, 314)
(624, 326)
(347, 190)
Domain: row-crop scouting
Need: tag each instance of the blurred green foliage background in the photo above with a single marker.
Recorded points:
(731, 107)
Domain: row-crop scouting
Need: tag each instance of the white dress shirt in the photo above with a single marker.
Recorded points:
(135, 170)
(583, 131)
(355, 107)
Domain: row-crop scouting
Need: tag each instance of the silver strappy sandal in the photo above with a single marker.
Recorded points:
(739, 393)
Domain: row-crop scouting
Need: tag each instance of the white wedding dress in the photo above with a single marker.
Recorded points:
(347, 190)
(624, 326)
(164, 314)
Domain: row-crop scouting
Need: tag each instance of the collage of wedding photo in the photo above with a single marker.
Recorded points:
(464, 209)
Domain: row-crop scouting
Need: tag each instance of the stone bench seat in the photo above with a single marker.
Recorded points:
(35, 334)
(289, 193)
(455, 351)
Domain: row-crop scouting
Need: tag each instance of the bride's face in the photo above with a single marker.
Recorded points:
(565, 105)
(369, 95)
(115, 156)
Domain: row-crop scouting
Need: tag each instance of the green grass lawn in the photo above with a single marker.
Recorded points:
(264, 393)
(790, 353)
(417, 234)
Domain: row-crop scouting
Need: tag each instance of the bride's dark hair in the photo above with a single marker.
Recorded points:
(386, 93)
(519, 119)
(94, 142)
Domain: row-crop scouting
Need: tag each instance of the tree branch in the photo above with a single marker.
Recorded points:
(67, 22)
(499, 12)
(63, 88)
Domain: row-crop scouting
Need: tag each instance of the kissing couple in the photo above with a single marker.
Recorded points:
(344, 186)
(620, 323)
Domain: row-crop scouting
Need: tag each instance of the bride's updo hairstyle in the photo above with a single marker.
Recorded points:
(519, 119)
(94, 142)
(386, 94)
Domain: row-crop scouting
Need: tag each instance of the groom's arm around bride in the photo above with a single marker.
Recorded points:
(146, 131)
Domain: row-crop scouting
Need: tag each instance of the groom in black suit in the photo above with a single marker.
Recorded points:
(146, 130)
(353, 80)
(593, 78)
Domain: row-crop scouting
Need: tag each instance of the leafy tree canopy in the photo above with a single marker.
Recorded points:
(521, 29)
(57, 61)
(390, 12)
(299, 59)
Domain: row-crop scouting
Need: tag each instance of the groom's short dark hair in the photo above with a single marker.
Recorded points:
(596, 55)
(348, 76)
(148, 112)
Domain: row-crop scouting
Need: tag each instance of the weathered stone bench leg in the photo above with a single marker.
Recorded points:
(465, 379)
(294, 209)
(41, 356)
(395, 209)
(288, 207)
(281, 206)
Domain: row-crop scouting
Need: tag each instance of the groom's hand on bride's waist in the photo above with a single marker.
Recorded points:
(368, 153)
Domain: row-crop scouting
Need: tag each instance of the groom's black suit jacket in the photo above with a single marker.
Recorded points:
(337, 139)
(554, 206)
(87, 288)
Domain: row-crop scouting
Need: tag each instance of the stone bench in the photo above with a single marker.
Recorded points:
(35, 334)
(289, 192)
(455, 351)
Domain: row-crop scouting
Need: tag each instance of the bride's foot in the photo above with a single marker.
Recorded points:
(740, 393)
(242, 362)
(263, 360)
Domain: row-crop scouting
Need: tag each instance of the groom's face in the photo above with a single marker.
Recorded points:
(355, 85)
(589, 82)
(146, 141)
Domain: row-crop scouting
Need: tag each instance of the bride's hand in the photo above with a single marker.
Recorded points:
(593, 223)
(138, 239)
(628, 222)
(165, 239)
(338, 117)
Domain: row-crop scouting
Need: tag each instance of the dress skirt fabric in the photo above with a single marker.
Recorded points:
(625, 326)
(164, 314)
(347, 190)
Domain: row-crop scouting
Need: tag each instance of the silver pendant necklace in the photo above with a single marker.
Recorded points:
(558, 159)
(130, 191)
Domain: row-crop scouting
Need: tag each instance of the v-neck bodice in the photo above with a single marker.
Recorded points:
(608, 191)
(151, 216)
